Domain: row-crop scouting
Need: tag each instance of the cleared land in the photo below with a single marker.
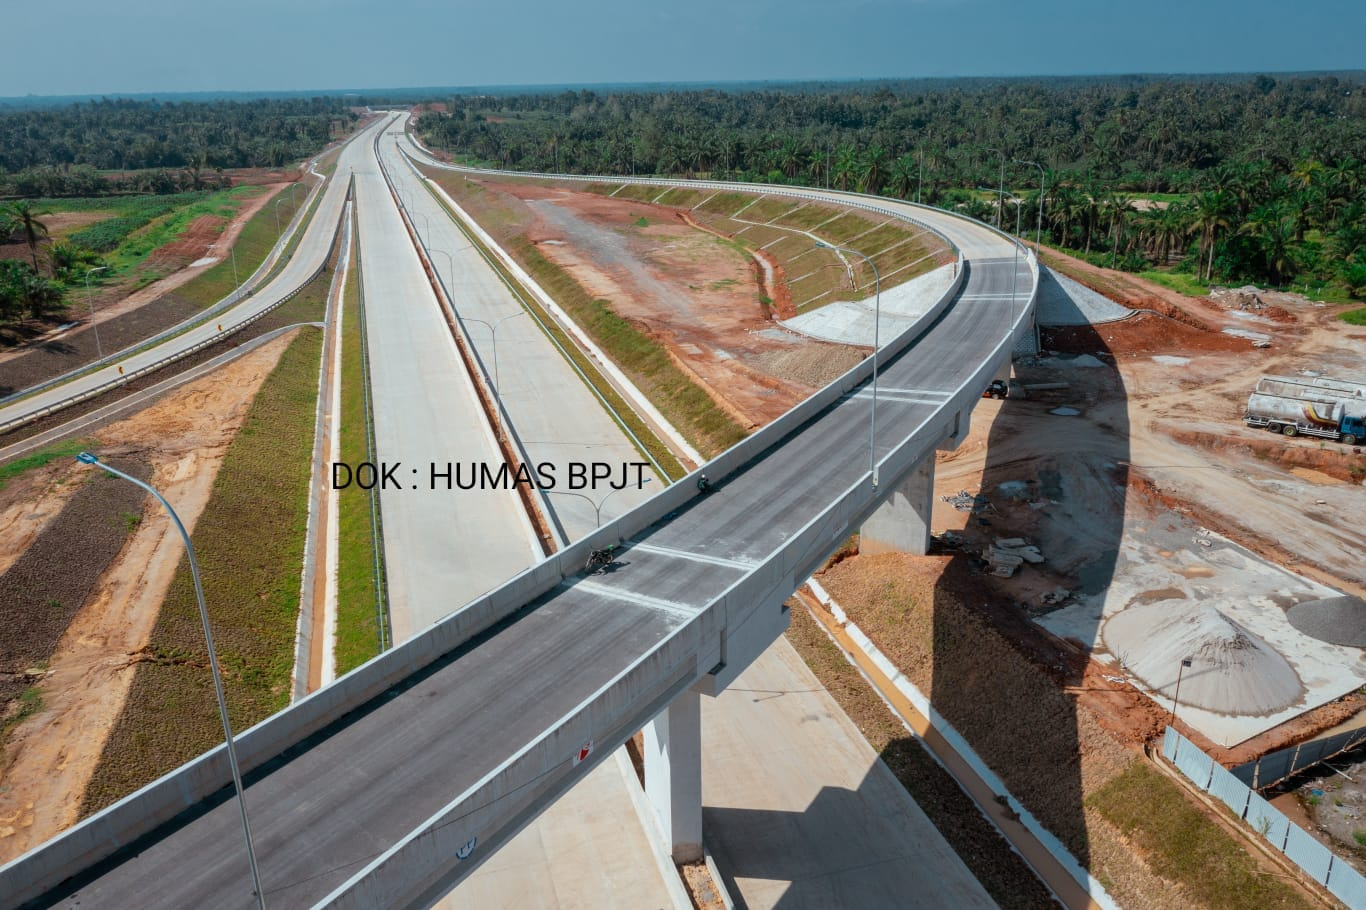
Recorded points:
(81, 688)
(181, 267)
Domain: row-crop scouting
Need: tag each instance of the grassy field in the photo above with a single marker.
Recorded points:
(253, 244)
(1354, 317)
(1181, 282)
(1186, 845)
(70, 447)
(126, 215)
(133, 249)
(249, 541)
(358, 632)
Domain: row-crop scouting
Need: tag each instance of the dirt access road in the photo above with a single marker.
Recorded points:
(49, 757)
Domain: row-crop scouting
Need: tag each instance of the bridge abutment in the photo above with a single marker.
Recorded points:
(673, 774)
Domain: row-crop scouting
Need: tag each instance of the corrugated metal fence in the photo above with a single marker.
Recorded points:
(1314, 858)
(1277, 766)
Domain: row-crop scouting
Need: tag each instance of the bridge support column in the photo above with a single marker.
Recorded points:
(673, 774)
(902, 523)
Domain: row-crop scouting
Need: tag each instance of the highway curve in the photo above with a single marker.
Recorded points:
(369, 810)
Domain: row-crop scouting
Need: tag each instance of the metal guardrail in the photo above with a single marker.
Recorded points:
(126, 378)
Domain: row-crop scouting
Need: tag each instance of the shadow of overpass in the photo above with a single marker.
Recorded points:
(998, 677)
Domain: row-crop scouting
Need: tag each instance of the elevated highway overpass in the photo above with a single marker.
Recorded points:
(389, 786)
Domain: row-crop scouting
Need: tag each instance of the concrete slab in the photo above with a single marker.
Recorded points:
(1173, 575)
(587, 850)
(1063, 301)
(851, 322)
(798, 811)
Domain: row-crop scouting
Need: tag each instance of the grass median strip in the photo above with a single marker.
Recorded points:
(1157, 817)
(249, 541)
(358, 632)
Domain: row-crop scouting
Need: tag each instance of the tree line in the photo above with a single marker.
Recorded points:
(124, 146)
(1266, 171)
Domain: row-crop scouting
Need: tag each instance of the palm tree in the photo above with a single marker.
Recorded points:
(905, 173)
(1213, 210)
(20, 216)
(874, 170)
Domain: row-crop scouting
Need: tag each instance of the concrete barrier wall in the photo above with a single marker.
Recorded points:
(102, 834)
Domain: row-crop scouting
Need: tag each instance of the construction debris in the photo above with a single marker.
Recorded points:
(1056, 596)
(1008, 554)
(964, 501)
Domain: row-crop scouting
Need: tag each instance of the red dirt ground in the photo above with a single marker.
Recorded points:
(700, 299)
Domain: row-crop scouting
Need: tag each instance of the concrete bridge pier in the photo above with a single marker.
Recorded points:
(673, 774)
(902, 523)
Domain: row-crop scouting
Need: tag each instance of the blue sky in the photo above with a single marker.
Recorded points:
(113, 46)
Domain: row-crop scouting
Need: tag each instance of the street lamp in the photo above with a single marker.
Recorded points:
(597, 506)
(493, 330)
(278, 200)
(877, 324)
(1043, 182)
(88, 458)
(1186, 662)
(90, 301)
(1001, 192)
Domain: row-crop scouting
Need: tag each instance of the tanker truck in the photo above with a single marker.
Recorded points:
(1296, 417)
(1320, 388)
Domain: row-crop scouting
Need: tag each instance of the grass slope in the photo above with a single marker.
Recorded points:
(249, 542)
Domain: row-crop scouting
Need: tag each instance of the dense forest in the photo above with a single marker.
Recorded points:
(1247, 178)
(155, 147)
(172, 152)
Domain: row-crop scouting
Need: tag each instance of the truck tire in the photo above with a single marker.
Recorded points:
(1349, 440)
(1289, 430)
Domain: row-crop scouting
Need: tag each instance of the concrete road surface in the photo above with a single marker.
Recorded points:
(801, 814)
(552, 412)
(443, 546)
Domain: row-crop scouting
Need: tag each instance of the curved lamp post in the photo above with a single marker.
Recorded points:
(597, 506)
(90, 301)
(88, 458)
(877, 324)
(1043, 182)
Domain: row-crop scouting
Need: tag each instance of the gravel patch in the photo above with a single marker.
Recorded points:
(1338, 620)
(46, 586)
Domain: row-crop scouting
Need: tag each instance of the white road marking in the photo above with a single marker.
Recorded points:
(682, 611)
(740, 565)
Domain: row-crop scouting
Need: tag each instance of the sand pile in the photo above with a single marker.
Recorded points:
(1337, 620)
(1232, 670)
